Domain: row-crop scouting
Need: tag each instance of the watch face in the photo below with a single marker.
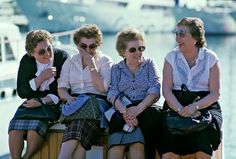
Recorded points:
(92, 69)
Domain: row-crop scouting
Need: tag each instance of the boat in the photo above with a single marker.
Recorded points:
(11, 47)
(113, 15)
(9, 13)
(228, 6)
(215, 21)
(110, 15)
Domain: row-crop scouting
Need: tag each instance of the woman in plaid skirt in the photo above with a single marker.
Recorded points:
(86, 72)
(37, 77)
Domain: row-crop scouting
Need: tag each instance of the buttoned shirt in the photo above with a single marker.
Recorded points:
(195, 78)
(145, 81)
(79, 80)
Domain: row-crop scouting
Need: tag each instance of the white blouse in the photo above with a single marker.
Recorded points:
(45, 85)
(78, 79)
(196, 78)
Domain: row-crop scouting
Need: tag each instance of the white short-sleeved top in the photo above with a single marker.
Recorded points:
(78, 79)
(196, 78)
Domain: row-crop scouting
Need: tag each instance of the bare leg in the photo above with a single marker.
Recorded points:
(16, 143)
(170, 155)
(116, 152)
(67, 149)
(202, 155)
(80, 152)
(136, 151)
(34, 142)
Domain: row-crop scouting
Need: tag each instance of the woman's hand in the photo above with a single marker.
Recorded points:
(31, 103)
(87, 57)
(188, 111)
(70, 100)
(48, 73)
(131, 122)
(131, 112)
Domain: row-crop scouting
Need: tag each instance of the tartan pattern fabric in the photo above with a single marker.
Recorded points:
(86, 131)
(39, 126)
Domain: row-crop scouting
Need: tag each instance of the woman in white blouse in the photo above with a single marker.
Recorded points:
(88, 71)
(197, 67)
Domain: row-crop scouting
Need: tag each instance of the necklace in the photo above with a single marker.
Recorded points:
(192, 62)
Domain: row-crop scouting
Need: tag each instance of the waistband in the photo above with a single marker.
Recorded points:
(92, 94)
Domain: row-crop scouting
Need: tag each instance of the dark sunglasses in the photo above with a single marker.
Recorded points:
(133, 49)
(180, 32)
(85, 46)
(43, 51)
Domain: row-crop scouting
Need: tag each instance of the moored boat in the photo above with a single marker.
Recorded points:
(113, 15)
(216, 23)
(110, 15)
(11, 47)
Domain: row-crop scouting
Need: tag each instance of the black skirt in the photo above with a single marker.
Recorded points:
(206, 141)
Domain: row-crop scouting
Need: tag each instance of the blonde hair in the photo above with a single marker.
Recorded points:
(125, 36)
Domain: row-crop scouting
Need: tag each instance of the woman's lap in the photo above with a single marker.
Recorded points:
(86, 131)
(39, 126)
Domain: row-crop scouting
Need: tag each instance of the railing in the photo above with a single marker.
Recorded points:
(11, 52)
(67, 36)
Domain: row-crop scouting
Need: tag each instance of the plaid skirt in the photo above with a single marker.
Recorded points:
(86, 131)
(40, 127)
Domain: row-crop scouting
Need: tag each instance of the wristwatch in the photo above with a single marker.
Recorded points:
(197, 107)
(92, 69)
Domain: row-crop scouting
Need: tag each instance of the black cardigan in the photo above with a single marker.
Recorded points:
(27, 70)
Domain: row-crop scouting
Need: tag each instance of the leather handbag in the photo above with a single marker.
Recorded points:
(43, 112)
(185, 125)
(182, 126)
(90, 110)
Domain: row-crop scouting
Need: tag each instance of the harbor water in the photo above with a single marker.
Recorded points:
(158, 45)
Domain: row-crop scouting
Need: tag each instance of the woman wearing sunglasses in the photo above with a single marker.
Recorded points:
(37, 77)
(137, 78)
(86, 72)
(192, 64)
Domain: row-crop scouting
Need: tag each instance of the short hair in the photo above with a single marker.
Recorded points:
(196, 29)
(125, 36)
(88, 31)
(34, 37)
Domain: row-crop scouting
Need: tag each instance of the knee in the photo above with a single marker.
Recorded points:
(170, 155)
(202, 155)
(16, 132)
(136, 147)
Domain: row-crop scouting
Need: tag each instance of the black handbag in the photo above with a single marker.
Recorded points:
(43, 112)
(182, 126)
(185, 125)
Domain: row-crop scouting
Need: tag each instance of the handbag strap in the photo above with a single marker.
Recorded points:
(185, 88)
(120, 92)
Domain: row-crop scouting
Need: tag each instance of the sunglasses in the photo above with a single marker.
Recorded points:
(133, 49)
(85, 46)
(43, 51)
(180, 32)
